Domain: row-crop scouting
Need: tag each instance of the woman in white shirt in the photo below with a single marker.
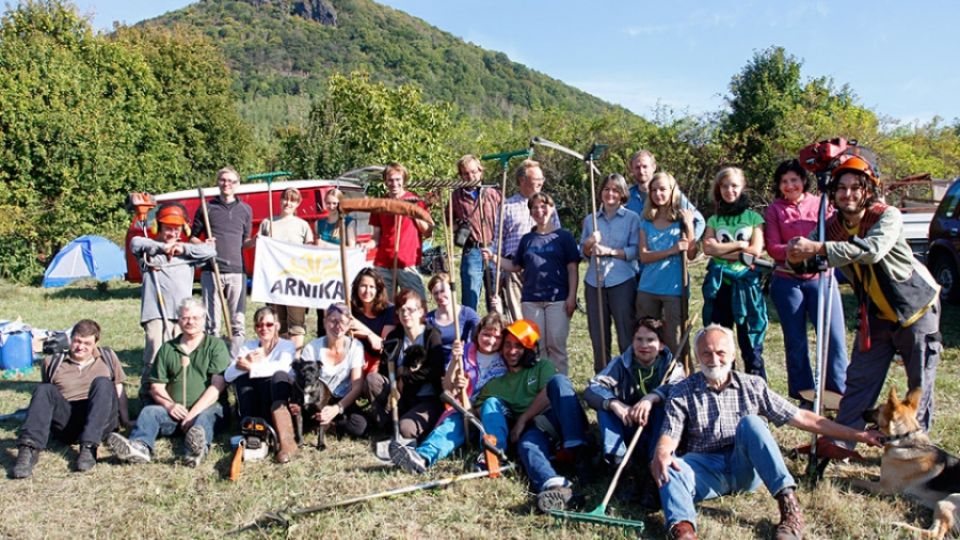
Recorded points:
(262, 375)
(340, 358)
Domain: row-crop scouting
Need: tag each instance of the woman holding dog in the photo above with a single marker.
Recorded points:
(416, 349)
(262, 375)
(339, 358)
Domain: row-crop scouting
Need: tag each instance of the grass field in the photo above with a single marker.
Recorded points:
(165, 499)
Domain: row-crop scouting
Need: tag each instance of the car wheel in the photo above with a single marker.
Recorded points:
(946, 274)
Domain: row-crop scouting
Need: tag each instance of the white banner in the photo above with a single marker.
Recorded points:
(300, 275)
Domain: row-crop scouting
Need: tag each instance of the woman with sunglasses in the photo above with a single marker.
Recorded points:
(442, 317)
(262, 375)
(373, 316)
(417, 349)
(340, 359)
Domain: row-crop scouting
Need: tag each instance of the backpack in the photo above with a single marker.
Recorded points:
(106, 353)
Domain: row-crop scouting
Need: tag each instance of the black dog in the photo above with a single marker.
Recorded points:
(311, 394)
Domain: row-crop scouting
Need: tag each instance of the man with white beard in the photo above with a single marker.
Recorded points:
(729, 448)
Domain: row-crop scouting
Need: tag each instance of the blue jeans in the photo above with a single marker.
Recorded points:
(443, 440)
(755, 457)
(616, 436)
(565, 414)
(155, 421)
(796, 303)
(471, 277)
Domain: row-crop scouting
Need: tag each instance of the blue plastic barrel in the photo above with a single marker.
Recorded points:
(17, 351)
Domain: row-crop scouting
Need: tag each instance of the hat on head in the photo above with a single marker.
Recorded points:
(526, 332)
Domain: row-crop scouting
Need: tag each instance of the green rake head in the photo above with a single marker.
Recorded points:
(598, 516)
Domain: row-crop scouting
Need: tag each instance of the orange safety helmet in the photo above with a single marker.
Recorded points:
(856, 164)
(171, 213)
(526, 332)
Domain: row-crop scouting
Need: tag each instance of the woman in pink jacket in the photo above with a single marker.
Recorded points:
(794, 213)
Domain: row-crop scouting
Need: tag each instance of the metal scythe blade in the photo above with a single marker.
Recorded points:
(540, 141)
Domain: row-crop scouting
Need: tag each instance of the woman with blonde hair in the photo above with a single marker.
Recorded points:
(732, 294)
(665, 233)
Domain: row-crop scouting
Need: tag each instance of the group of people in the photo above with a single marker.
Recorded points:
(388, 360)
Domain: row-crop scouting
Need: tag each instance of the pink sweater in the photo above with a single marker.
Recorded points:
(786, 220)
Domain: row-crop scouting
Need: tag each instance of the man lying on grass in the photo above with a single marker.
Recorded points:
(543, 409)
(481, 363)
(729, 448)
(185, 382)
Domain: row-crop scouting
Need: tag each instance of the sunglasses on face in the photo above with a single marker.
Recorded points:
(265, 325)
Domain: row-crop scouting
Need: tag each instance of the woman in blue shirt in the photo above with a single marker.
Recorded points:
(549, 259)
(614, 243)
(661, 291)
(442, 317)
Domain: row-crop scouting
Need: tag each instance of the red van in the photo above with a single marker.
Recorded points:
(311, 209)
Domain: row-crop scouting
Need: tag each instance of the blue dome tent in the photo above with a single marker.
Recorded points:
(86, 257)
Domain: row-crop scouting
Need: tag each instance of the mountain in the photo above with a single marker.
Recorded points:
(282, 51)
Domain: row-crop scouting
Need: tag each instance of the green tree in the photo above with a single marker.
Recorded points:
(86, 118)
(359, 122)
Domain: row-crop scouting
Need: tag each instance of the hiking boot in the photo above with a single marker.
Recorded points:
(196, 443)
(407, 459)
(127, 451)
(27, 458)
(87, 458)
(791, 517)
(682, 531)
(554, 498)
(283, 424)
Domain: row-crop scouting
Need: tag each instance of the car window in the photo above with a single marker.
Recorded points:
(951, 201)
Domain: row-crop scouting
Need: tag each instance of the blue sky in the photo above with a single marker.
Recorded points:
(900, 58)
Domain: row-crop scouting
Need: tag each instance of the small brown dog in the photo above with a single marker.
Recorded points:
(914, 467)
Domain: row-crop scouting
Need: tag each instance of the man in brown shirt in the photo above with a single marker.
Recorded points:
(475, 208)
(80, 397)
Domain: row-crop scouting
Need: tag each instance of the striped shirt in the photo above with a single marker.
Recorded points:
(707, 419)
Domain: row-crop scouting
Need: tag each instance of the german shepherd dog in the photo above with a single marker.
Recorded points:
(312, 395)
(914, 467)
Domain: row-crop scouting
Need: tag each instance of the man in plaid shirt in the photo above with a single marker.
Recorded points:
(516, 223)
(729, 448)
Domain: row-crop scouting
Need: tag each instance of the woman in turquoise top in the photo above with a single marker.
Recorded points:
(731, 290)
(660, 292)
(328, 235)
(328, 230)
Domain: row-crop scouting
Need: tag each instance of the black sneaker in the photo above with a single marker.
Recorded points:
(27, 458)
(87, 458)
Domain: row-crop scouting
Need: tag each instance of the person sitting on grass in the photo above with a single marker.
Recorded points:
(729, 448)
(481, 363)
(80, 398)
(538, 402)
(186, 381)
(628, 395)
(416, 349)
(340, 359)
(262, 374)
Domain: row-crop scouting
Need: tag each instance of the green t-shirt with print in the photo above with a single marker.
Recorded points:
(517, 390)
(210, 358)
(733, 228)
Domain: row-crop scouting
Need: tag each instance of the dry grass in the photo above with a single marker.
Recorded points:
(164, 499)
